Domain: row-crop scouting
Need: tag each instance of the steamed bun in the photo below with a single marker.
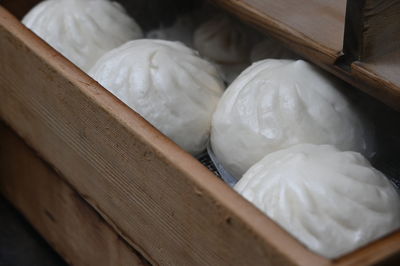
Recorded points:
(181, 30)
(227, 43)
(82, 30)
(168, 84)
(223, 40)
(332, 201)
(275, 104)
(270, 49)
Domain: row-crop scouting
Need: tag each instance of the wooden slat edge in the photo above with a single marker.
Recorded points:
(60, 215)
(119, 164)
(296, 40)
(385, 251)
(391, 92)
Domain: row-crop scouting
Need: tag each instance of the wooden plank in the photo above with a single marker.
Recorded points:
(382, 74)
(161, 200)
(312, 28)
(372, 48)
(385, 251)
(372, 28)
(65, 220)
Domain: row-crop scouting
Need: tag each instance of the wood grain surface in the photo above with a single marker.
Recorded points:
(385, 251)
(312, 28)
(372, 28)
(160, 199)
(381, 72)
(59, 214)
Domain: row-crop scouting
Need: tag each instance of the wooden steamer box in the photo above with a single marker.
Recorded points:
(106, 188)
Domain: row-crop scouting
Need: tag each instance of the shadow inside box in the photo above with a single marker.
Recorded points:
(386, 136)
(387, 159)
(151, 14)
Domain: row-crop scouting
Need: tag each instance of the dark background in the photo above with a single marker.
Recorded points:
(20, 244)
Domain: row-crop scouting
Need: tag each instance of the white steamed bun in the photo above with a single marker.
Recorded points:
(332, 201)
(275, 104)
(224, 40)
(168, 84)
(82, 30)
(181, 30)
